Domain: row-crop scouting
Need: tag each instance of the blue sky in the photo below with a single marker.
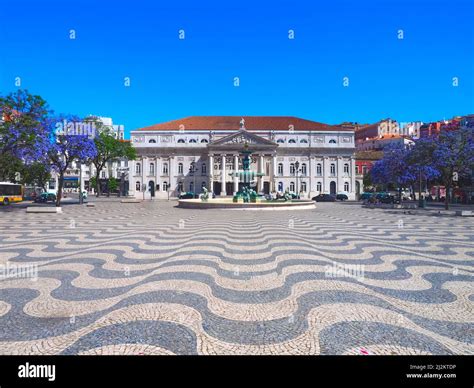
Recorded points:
(408, 79)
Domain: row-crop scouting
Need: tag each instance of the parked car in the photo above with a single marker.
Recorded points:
(342, 197)
(45, 197)
(365, 196)
(324, 198)
(187, 195)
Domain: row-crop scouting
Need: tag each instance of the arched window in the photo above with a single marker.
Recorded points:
(346, 187)
(152, 141)
(280, 186)
(165, 168)
(138, 168)
(333, 169)
(332, 141)
(181, 141)
(346, 168)
(319, 169)
(319, 187)
(193, 141)
(204, 141)
(303, 187)
(292, 169)
(280, 141)
(165, 186)
(203, 168)
(152, 168)
(292, 186)
(280, 168)
(304, 141)
(180, 168)
(292, 141)
(303, 169)
(137, 186)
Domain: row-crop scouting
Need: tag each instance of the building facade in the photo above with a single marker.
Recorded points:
(291, 154)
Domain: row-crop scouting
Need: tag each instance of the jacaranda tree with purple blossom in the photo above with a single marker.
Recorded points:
(452, 157)
(23, 127)
(394, 167)
(65, 148)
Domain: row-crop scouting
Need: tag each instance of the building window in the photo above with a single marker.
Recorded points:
(364, 170)
(280, 141)
(303, 187)
(280, 168)
(193, 141)
(346, 187)
(191, 186)
(165, 168)
(165, 186)
(319, 187)
(103, 174)
(304, 141)
(137, 186)
(332, 141)
(346, 168)
(280, 186)
(319, 169)
(333, 169)
(357, 169)
(152, 168)
(180, 168)
(292, 141)
(152, 141)
(180, 186)
(138, 168)
(303, 169)
(203, 184)
(204, 141)
(181, 141)
(203, 168)
(292, 187)
(292, 169)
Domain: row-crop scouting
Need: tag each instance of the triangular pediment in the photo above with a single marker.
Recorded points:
(243, 137)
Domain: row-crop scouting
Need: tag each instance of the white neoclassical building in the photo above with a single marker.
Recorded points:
(291, 154)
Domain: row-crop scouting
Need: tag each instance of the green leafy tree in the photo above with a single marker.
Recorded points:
(109, 149)
(112, 185)
(36, 174)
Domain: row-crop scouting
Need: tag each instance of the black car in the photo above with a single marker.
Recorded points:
(342, 197)
(324, 198)
(45, 197)
(188, 195)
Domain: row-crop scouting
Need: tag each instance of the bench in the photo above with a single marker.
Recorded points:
(43, 209)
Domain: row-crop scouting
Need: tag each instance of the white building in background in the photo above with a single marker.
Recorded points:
(324, 154)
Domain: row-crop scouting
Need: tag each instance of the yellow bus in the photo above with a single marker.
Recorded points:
(10, 192)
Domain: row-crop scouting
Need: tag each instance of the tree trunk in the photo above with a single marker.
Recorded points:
(59, 194)
(97, 181)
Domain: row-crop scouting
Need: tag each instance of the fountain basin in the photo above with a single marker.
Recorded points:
(227, 203)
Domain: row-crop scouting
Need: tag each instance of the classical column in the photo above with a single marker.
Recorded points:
(262, 170)
(144, 177)
(274, 173)
(223, 177)
(326, 173)
(340, 174)
(211, 173)
(236, 178)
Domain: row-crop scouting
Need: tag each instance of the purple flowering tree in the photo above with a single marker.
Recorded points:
(24, 125)
(453, 157)
(65, 148)
(394, 167)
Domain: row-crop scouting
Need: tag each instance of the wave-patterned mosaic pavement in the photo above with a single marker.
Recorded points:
(150, 278)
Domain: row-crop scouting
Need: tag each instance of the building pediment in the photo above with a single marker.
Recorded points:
(241, 138)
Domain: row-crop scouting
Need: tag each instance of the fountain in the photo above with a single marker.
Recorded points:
(247, 197)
